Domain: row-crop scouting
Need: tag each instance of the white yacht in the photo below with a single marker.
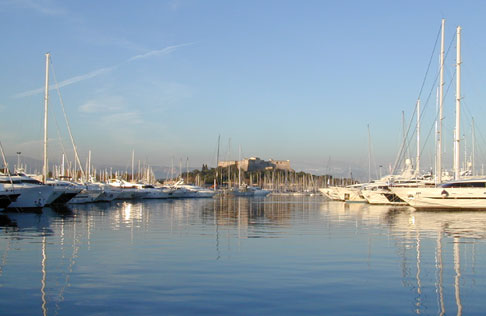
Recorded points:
(379, 193)
(467, 194)
(350, 193)
(182, 190)
(33, 194)
(7, 196)
(245, 190)
(89, 193)
(128, 191)
(108, 193)
(153, 192)
(64, 191)
(330, 193)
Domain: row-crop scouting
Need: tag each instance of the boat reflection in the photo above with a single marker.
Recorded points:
(434, 252)
(462, 230)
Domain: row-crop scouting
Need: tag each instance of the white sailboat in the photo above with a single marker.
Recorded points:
(465, 194)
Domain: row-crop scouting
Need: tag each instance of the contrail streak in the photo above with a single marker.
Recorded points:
(164, 51)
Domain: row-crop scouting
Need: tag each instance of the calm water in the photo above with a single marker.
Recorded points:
(279, 255)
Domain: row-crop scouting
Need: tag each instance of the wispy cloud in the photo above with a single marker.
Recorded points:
(123, 119)
(174, 5)
(68, 81)
(103, 104)
(45, 7)
(97, 72)
(111, 111)
(163, 51)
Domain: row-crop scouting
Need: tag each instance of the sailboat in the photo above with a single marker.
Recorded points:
(244, 189)
(467, 194)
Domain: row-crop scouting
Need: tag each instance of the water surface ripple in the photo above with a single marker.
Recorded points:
(242, 256)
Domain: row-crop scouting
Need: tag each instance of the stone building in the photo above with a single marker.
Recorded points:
(257, 164)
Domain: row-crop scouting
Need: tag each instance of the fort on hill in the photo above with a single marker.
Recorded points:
(257, 164)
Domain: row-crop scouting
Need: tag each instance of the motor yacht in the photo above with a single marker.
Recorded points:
(467, 194)
(33, 194)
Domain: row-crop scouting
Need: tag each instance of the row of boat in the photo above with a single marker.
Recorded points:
(20, 191)
(421, 194)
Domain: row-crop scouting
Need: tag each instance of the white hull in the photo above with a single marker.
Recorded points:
(7, 197)
(249, 191)
(443, 198)
(381, 197)
(107, 195)
(125, 194)
(191, 191)
(348, 194)
(31, 196)
(55, 195)
(62, 194)
(85, 196)
(156, 193)
(331, 193)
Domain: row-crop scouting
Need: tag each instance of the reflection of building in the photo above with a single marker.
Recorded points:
(257, 164)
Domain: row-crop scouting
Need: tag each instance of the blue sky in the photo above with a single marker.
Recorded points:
(296, 80)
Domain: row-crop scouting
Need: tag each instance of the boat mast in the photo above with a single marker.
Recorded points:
(62, 166)
(404, 132)
(441, 103)
(369, 154)
(239, 166)
(88, 177)
(133, 158)
(217, 166)
(417, 163)
(46, 102)
(457, 140)
(473, 162)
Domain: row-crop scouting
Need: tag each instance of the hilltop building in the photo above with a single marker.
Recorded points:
(257, 164)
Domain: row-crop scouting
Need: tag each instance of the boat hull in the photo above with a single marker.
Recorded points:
(443, 198)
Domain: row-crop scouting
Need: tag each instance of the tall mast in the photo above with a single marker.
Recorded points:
(62, 166)
(473, 162)
(404, 132)
(88, 176)
(217, 165)
(457, 140)
(239, 166)
(417, 163)
(46, 103)
(133, 158)
(187, 169)
(441, 103)
(369, 154)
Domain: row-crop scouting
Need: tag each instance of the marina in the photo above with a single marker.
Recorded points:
(116, 199)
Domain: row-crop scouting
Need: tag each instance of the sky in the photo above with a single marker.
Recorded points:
(296, 80)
